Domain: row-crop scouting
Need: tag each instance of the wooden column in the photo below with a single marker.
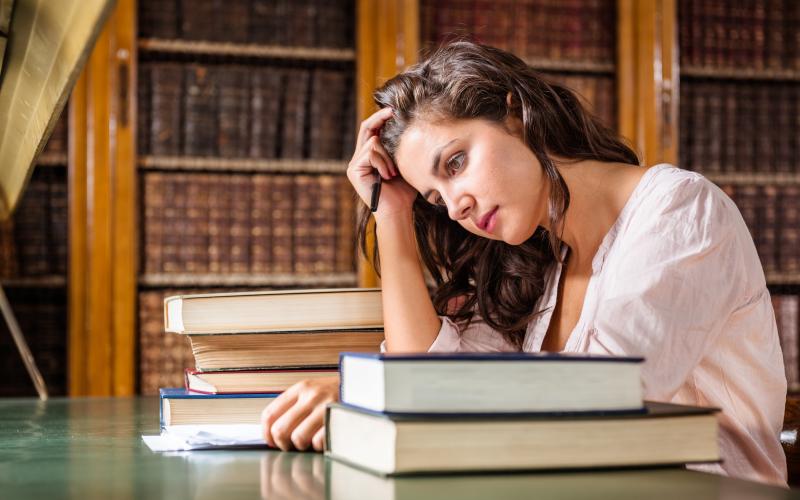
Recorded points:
(648, 77)
(387, 41)
(102, 219)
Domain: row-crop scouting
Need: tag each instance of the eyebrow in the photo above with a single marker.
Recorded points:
(435, 166)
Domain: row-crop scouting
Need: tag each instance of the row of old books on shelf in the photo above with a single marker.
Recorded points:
(34, 241)
(237, 111)
(772, 213)
(578, 30)
(787, 317)
(410, 413)
(758, 34)
(248, 223)
(740, 126)
(597, 91)
(307, 23)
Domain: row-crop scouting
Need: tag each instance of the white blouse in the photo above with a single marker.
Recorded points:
(677, 280)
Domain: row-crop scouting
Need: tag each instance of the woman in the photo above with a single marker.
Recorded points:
(541, 232)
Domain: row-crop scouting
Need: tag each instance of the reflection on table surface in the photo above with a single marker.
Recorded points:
(92, 448)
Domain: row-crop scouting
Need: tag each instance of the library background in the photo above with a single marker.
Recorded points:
(205, 144)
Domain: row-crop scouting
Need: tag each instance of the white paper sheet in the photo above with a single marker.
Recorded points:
(203, 437)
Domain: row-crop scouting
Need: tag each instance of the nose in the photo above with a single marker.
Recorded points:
(460, 206)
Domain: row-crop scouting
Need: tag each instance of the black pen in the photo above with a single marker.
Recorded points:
(376, 194)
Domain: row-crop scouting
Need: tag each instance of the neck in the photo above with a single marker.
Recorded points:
(598, 192)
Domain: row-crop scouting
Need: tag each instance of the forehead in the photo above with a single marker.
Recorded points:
(422, 139)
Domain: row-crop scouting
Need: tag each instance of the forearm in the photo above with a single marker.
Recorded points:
(410, 320)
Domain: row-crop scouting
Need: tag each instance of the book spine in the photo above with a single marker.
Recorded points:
(295, 98)
(790, 316)
(165, 131)
(261, 230)
(158, 19)
(324, 218)
(200, 122)
(240, 223)
(154, 214)
(59, 210)
(198, 19)
(346, 227)
(306, 198)
(789, 229)
(220, 203)
(768, 230)
(282, 211)
(143, 109)
(265, 104)
(233, 111)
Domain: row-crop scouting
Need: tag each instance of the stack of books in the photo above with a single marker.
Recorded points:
(491, 412)
(249, 347)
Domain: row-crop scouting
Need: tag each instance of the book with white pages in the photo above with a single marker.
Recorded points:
(488, 383)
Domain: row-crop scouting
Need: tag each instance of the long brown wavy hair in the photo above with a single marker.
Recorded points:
(465, 80)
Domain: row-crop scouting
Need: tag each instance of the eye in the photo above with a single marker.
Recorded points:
(455, 163)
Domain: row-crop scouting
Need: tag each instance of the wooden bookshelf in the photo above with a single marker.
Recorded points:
(740, 74)
(52, 160)
(247, 280)
(783, 279)
(754, 177)
(54, 281)
(193, 163)
(203, 48)
(565, 66)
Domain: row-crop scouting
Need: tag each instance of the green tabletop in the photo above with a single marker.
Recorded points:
(92, 448)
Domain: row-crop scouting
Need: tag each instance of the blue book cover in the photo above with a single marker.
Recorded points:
(493, 356)
(182, 393)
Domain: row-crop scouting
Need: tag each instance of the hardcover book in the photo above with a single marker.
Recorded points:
(663, 434)
(488, 383)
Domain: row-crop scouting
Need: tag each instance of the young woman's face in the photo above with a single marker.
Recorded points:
(481, 172)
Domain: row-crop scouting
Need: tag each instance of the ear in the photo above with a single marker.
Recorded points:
(510, 100)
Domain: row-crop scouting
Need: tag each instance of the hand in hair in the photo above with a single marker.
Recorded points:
(294, 420)
(371, 157)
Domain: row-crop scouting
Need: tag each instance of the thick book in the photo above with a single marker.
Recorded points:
(251, 381)
(664, 434)
(319, 309)
(488, 383)
(182, 407)
(294, 349)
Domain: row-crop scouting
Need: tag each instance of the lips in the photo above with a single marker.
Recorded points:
(483, 222)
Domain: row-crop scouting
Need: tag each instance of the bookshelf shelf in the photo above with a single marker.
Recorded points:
(740, 73)
(189, 163)
(757, 178)
(171, 46)
(52, 160)
(54, 281)
(778, 278)
(571, 66)
(247, 280)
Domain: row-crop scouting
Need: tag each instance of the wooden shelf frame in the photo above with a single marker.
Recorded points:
(785, 75)
(565, 66)
(247, 280)
(759, 178)
(207, 48)
(48, 281)
(783, 279)
(52, 160)
(278, 165)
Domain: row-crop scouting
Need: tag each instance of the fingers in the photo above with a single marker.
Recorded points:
(305, 431)
(372, 125)
(318, 441)
(274, 411)
(283, 428)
